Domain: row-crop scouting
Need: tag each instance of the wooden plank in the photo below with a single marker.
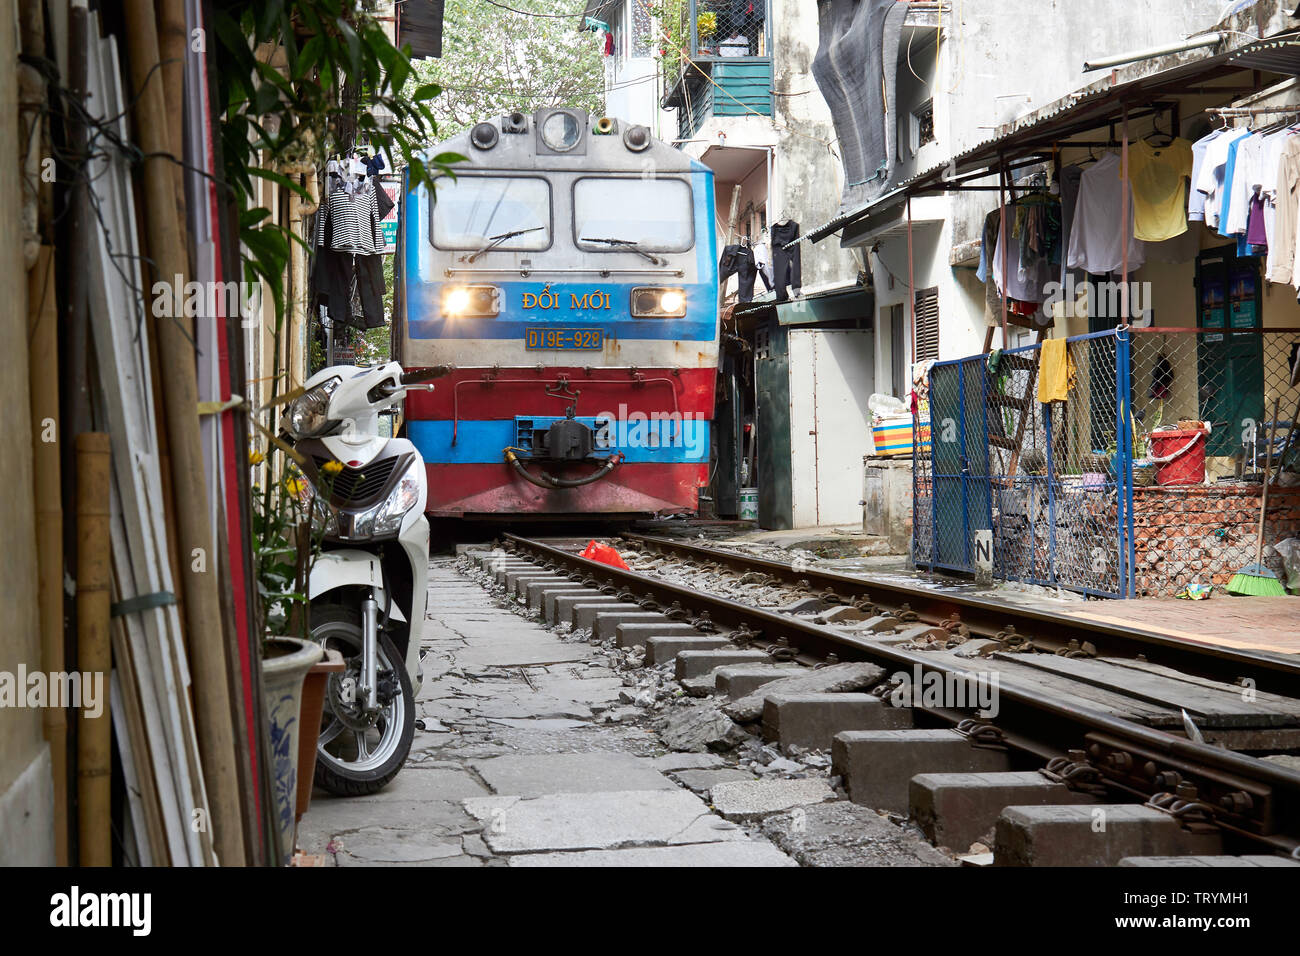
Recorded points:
(1014, 672)
(1214, 706)
(145, 826)
(1254, 623)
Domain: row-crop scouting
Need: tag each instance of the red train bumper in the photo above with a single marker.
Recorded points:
(494, 489)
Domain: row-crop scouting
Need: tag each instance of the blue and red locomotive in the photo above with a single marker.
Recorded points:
(569, 274)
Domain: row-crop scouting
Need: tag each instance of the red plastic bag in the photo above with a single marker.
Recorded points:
(604, 554)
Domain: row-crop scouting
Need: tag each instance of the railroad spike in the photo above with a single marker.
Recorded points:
(703, 624)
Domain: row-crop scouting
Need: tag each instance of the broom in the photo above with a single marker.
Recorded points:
(1256, 579)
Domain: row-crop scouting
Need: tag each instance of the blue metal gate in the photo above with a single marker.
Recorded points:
(1049, 484)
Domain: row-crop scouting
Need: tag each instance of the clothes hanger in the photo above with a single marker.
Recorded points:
(1157, 132)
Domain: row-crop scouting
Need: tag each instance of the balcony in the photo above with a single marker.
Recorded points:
(718, 61)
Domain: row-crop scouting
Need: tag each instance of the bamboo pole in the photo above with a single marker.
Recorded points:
(43, 363)
(198, 579)
(172, 43)
(94, 657)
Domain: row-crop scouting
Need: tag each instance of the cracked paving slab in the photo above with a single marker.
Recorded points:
(598, 821)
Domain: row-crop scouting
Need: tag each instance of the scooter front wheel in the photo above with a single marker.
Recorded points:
(359, 753)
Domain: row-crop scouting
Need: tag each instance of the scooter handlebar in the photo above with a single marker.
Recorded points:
(425, 374)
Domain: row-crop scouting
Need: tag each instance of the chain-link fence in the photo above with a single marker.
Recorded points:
(1019, 493)
(729, 27)
(1196, 496)
(1120, 488)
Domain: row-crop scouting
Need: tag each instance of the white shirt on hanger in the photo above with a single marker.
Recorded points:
(1094, 233)
(1210, 180)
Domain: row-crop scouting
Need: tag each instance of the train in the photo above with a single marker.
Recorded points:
(568, 274)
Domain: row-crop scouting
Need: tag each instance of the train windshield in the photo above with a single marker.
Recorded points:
(508, 213)
(651, 215)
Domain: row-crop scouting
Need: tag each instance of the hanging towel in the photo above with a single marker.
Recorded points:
(1055, 371)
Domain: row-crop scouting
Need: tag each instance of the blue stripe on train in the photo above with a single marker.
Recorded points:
(425, 321)
(483, 442)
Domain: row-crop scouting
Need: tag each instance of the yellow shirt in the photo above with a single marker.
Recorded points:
(1159, 175)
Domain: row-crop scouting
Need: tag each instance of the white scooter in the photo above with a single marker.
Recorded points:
(368, 587)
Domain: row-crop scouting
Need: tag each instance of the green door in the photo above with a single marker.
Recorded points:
(1229, 363)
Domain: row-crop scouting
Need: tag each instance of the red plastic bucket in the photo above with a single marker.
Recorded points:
(1187, 464)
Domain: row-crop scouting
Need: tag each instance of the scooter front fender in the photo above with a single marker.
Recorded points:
(351, 568)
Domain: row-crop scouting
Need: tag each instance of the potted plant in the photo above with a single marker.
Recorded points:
(314, 687)
(285, 544)
(706, 25)
(285, 662)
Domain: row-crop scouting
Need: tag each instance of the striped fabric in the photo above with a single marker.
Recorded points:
(349, 222)
(893, 436)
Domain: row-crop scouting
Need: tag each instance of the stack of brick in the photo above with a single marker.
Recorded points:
(1204, 533)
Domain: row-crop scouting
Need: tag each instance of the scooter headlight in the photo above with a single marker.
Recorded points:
(386, 517)
(307, 413)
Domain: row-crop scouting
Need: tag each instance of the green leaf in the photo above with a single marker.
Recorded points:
(266, 99)
(427, 92)
(251, 217)
(354, 46)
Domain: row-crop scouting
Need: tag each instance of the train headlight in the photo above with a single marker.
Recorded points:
(474, 301)
(656, 302)
(561, 131)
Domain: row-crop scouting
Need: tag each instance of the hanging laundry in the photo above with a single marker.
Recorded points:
(1026, 273)
(787, 267)
(763, 259)
(1094, 235)
(1056, 371)
(334, 276)
(1270, 155)
(1196, 198)
(1158, 175)
(1210, 179)
(1227, 210)
(738, 260)
(1070, 178)
(1281, 247)
(1162, 378)
(1245, 182)
(349, 222)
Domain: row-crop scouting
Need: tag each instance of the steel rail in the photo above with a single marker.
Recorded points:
(1274, 673)
(1217, 773)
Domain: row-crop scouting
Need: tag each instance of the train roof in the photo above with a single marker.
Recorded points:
(520, 140)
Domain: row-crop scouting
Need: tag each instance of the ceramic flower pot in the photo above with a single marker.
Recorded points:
(314, 687)
(285, 662)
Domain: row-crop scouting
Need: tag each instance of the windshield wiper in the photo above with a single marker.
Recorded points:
(627, 244)
(494, 241)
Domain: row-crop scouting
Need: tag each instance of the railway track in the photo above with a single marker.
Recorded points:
(1088, 705)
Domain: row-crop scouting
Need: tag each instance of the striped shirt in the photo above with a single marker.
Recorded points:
(350, 221)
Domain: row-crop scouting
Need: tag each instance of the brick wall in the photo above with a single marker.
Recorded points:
(1206, 534)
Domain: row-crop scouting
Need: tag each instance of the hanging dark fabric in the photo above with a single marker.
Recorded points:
(859, 45)
(787, 264)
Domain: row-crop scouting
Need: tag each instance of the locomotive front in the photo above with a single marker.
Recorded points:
(569, 274)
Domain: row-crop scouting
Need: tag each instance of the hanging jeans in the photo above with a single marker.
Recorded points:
(786, 264)
(739, 261)
(335, 273)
